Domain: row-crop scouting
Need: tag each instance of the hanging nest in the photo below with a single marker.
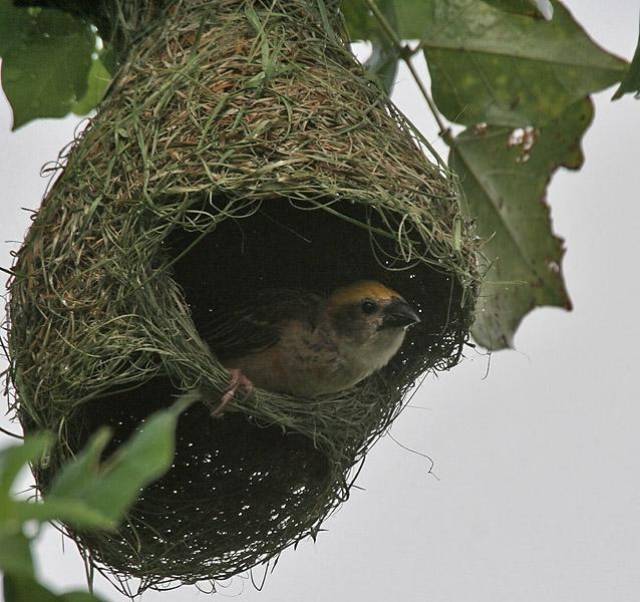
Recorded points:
(241, 147)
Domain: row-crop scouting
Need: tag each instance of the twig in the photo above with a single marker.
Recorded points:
(6, 432)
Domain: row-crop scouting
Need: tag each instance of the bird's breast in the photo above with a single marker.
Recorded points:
(310, 363)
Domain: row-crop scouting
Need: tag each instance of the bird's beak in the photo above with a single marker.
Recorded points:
(399, 314)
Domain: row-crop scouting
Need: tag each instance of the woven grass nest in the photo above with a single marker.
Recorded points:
(241, 147)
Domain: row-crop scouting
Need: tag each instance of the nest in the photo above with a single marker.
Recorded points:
(240, 147)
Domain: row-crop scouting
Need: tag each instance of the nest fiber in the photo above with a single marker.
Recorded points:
(240, 147)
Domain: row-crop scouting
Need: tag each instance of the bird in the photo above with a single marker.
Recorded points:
(302, 344)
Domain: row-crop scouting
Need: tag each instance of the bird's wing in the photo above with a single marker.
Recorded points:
(255, 324)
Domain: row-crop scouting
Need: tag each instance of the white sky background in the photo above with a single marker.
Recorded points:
(538, 491)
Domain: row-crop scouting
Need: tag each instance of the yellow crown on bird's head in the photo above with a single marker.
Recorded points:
(363, 289)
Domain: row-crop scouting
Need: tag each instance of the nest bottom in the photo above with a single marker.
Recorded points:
(235, 492)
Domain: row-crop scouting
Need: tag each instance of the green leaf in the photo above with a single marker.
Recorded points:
(97, 84)
(489, 66)
(78, 475)
(12, 460)
(363, 25)
(19, 588)
(359, 20)
(112, 487)
(14, 22)
(45, 68)
(14, 457)
(504, 176)
(631, 81)
(15, 554)
(383, 64)
(530, 8)
(70, 511)
(410, 16)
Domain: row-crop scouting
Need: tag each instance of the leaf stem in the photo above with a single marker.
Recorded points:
(445, 131)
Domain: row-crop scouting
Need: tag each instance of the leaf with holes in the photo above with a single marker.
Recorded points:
(490, 66)
(504, 175)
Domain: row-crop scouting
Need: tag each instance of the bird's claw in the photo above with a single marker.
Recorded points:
(238, 381)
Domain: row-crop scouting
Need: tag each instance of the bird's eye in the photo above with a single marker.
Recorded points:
(369, 307)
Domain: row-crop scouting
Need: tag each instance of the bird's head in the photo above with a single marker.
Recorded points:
(370, 318)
